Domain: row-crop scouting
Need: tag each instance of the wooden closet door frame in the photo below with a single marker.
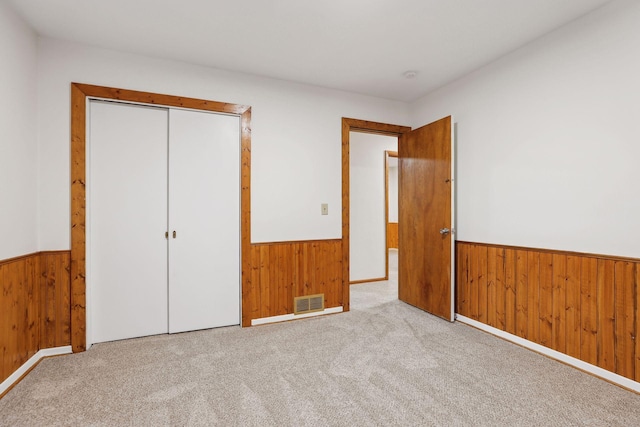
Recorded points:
(355, 125)
(79, 98)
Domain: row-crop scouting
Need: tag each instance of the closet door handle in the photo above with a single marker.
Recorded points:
(174, 234)
(166, 234)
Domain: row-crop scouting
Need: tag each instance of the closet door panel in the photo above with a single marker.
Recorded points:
(204, 212)
(127, 214)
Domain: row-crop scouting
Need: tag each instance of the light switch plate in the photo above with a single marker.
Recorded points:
(325, 208)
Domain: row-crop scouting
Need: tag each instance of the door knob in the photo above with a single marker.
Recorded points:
(174, 234)
(444, 231)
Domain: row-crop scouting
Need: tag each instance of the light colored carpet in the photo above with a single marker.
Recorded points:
(382, 364)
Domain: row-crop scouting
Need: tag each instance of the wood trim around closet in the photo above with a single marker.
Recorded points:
(355, 125)
(79, 94)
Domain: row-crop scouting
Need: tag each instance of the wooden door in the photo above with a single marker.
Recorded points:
(204, 214)
(426, 243)
(127, 219)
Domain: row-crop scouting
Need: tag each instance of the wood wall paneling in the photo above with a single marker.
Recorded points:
(483, 295)
(392, 235)
(492, 315)
(572, 301)
(473, 282)
(600, 321)
(583, 305)
(264, 283)
(558, 324)
(463, 290)
(546, 298)
(625, 305)
(510, 290)
(284, 270)
(533, 296)
(18, 313)
(606, 314)
(521, 293)
(589, 310)
(34, 307)
(636, 336)
(481, 282)
(5, 321)
(501, 303)
(55, 294)
(10, 308)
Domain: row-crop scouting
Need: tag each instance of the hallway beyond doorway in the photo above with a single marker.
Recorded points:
(372, 294)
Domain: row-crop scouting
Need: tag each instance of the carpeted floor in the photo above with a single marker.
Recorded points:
(382, 364)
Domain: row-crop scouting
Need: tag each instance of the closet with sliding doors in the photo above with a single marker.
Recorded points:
(163, 220)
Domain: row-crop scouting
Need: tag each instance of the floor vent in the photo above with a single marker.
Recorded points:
(308, 304)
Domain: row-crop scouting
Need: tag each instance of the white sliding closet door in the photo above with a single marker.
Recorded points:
(204, 212)
(127, 219)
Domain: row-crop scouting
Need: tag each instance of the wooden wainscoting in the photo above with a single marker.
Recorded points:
(55, 299)
(282, 271)
(34, 307)
(19, 313)
(392, 235)
(583, 305)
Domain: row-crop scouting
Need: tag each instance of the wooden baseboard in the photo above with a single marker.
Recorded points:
(379, 279)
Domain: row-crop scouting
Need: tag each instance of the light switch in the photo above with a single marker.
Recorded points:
(325, 208)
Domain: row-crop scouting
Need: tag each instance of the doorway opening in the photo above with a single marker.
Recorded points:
(391, 204)
(358, 128)
(369, 211)
(426, 213)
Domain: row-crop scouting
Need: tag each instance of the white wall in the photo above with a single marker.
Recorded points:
(296, 135)
(18, 138)
(393, 193)
(548, 139)
(367, 237)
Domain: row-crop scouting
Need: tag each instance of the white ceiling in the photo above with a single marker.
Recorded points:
(361, 46)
